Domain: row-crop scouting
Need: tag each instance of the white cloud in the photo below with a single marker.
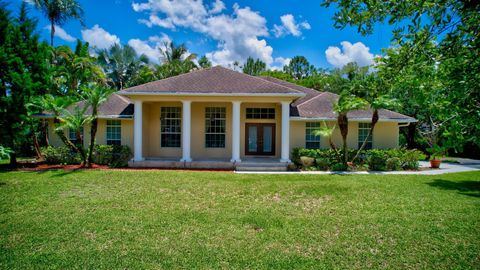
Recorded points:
(357, 52)
(280, 62)
(60, 33)
(217, 7)
(238, 35)
(151, 47)
(99, 38)
(290, 26)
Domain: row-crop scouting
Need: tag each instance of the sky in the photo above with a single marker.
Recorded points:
(223, 30)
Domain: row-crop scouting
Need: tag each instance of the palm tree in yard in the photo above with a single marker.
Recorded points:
(344, 105)
(121, 64)
(75, 68)
(94, 97)
(175, 60)
(76, 121)
(57, 106)
(58, 12)
(378, 103)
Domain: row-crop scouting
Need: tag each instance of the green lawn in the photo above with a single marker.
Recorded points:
(169, 219)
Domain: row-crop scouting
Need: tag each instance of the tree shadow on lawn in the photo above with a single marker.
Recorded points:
(467, 187)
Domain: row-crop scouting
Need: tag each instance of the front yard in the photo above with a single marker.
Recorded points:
(171, 219)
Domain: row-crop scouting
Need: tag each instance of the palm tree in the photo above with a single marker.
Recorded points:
(94, 97)
(57, 106)
(74, 69)
(75, 120)
(121, 64)
(344, 105)
(326, 131)
(378, 103)
(59, 12)
(175, 60)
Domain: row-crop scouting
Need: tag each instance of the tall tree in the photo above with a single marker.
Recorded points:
(254, 66)
(58, 12)
(175, 60)
(299, 68)
(203, 62)
(74, 69)
(443, 32)
(121, 64)
(24, 73)
(345, 104)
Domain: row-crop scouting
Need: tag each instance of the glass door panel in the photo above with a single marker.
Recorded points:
(267, 139)
(252, 139)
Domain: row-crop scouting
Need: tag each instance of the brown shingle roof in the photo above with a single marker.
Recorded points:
(115, 106)
(319, 105)
(215, 80)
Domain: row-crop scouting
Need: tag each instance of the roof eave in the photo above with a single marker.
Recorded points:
(149, 93)
(394, 120)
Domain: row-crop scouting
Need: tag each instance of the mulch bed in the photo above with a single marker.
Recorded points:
(32, 166)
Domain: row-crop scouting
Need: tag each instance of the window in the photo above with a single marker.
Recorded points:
(114, 132)
(215, 118)
(72, 136)
(363, 129)
(170, 120)
(260, 113)
(312, 141)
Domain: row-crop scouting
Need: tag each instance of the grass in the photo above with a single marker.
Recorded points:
(171, 219)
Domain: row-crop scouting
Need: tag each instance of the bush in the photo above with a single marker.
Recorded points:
(374, 159)
(114, 156)
(60, 155)
(393, 164)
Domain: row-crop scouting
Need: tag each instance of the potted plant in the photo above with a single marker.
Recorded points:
(436, 153)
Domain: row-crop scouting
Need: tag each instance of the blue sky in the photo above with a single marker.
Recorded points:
(224, 30)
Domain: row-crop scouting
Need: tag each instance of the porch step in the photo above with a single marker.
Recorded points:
(261, 166)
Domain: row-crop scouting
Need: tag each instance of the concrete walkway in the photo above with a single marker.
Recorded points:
(424, 170)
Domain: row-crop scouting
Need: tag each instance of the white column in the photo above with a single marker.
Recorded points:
(236, 131)
(285, 156)
(137, 131)
(186, 124)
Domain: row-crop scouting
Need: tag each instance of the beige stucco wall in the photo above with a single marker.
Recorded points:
(151, 130)
(385, 135)
(101, 136)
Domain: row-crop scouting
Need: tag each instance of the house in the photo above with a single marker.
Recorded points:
(220, 118)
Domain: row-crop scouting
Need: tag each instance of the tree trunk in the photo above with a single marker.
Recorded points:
(13, 160)
(36, 145)
(52, 33)
(45, 131)
(412, 128)
(343, 125)
(93, 133)
(370, 132)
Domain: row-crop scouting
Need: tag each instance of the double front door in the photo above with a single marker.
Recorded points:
(260, 139)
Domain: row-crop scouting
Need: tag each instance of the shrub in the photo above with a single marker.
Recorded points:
(60, 155)
(323, 164)
(114, 156)
(393, 164)
(374, 159)
(410, 159)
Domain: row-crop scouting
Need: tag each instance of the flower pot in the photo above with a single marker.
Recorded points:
(307, 161)
(435, 163)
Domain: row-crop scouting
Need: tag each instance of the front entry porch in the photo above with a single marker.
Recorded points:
(248, 164)
(217, 134)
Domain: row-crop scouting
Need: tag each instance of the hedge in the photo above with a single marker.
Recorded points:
(374, 159)
(112, 155)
